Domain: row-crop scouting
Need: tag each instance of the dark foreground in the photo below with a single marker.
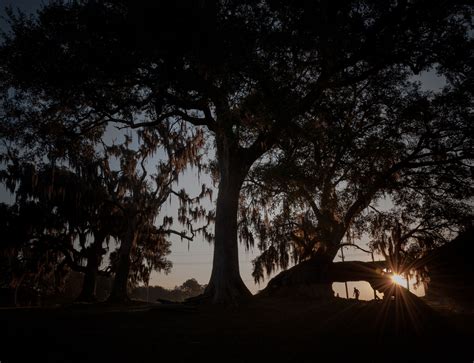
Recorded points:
(263, 330)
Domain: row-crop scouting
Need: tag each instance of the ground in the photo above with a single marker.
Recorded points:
(263, 329)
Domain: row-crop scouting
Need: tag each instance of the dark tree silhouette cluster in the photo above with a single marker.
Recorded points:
(310, 105)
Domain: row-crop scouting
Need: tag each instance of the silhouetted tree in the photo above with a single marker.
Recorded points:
(140, 196)
(72, 218)
(94, 215)
(139, 205)
(150, 255)
(191, 287)
(383, 140)
(406, 235)
(247, 72)
(29, 230)
(81, 206)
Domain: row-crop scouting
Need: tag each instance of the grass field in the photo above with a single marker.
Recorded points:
(261, 330)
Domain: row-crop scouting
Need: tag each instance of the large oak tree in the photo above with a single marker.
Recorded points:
(382, 142)
(247, 72)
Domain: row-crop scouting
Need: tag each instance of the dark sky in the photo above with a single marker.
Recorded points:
(28, 6)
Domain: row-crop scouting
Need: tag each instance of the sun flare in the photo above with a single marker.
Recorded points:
(397, 279)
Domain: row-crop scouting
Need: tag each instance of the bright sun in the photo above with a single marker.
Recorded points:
(398, 279)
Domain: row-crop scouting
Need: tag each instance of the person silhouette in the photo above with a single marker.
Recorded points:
(356, 293)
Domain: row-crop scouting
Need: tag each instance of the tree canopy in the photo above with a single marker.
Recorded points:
(385, 142)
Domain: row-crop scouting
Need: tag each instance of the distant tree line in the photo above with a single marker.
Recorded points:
(189, 288)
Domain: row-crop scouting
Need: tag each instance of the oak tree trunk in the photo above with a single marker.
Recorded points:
(119, 291)
(226, 285)
(314, 272)
(319, 271)
(94, 258)
(17, 289)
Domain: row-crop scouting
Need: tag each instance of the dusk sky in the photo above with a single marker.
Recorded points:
(194, 260)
